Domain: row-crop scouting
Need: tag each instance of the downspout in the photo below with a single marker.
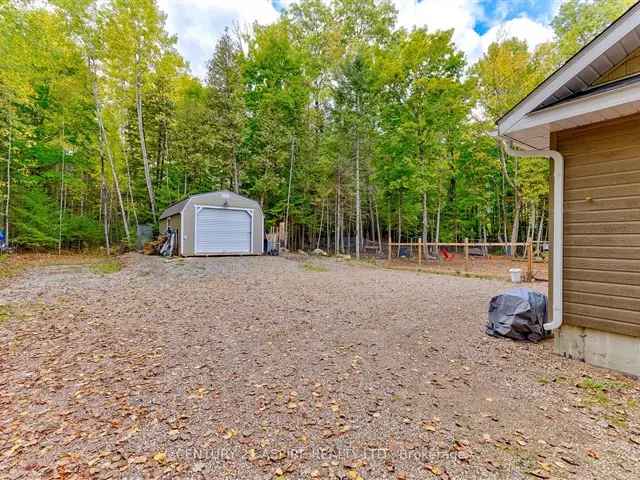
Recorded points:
(558, 221)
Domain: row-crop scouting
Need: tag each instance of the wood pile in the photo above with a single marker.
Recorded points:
(153, 247)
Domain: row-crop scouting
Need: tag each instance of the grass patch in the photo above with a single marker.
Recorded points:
(364, 262)
(106, 267)
(599, 393)
(544, 381)
(5, 313)
(601, 386)
(314, 267)
(14, 264)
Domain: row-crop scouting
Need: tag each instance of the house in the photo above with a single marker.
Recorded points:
(585, 118)
(216, 223)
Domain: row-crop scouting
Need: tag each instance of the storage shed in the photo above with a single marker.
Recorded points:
(216, 223)
(586, 118)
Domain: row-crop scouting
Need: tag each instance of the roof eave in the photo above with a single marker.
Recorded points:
(597, 47)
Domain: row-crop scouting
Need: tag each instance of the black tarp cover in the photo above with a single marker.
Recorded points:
(518, 314)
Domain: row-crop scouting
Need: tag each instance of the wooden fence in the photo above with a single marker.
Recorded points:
(466, 245)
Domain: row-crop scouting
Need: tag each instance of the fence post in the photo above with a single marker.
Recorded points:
(420, 251)
(466, 254)
(389, 248)
(530, 261)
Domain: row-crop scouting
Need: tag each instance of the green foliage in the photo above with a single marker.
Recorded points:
(579, 21)
(35, 220)
(371, 121)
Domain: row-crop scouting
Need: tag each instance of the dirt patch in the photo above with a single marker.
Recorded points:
(261, 367)
(479, 267)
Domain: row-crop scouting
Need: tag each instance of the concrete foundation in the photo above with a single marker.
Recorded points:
(603, 349)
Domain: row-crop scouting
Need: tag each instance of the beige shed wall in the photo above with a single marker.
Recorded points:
(217, 200)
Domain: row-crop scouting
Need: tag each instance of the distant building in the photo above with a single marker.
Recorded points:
(216, 223)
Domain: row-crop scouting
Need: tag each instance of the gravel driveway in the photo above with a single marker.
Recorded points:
(261, 368)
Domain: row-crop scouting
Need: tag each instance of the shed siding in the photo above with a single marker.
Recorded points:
(216, 199)
(602, 225)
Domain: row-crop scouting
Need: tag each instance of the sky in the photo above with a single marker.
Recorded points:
(476, 23)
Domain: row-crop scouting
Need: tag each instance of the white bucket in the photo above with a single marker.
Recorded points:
(516, 275)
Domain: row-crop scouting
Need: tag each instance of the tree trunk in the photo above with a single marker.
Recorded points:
(516, 224)
(236, 181)
(107, 149)
(61, 191)
(516, 195)
(425, 224)
(8, 202)
(358, 213)
(143, 145)
(378, 227)
(338, 228)
(103, 205)
(286, 217)
(438, 226)
(321, 220)
(540, 229)
(372, 223)
(399, 222)
(532, 221)
(484, 239)
(328, 245)
(125, 154)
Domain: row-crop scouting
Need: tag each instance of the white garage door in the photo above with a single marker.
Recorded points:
(222, 231)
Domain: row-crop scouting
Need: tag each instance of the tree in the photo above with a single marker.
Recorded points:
(135, 40)
(226, 103)
(423, 75)
(340, 123)
(579, 21)
(506, 74)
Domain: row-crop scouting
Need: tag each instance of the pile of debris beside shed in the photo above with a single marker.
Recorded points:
(164, 245)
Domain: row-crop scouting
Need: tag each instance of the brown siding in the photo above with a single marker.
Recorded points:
(602, 225)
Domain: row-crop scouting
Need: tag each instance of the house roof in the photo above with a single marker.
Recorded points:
(178, 207)
(597, 89)
(552, 104)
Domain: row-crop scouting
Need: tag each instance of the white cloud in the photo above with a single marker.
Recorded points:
(522, 28)
(462, 16)
(199, 23)
(459, 15)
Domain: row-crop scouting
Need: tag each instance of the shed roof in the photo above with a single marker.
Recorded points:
(178, 207)
(174, 209)
(568, 97)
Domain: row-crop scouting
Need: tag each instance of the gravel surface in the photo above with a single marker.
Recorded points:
(262, 368)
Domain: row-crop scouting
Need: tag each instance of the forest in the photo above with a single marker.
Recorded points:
(340, 123)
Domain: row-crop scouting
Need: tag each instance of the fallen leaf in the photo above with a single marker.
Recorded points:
(160, 457)
(570, 461)
(539, 474)
(437, 471)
